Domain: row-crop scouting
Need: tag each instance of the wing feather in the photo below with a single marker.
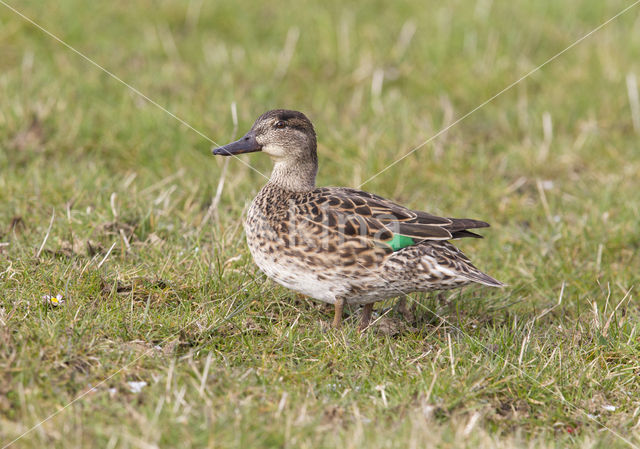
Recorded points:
(374, 219)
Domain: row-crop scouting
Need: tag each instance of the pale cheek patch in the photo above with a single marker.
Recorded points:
(276, 152)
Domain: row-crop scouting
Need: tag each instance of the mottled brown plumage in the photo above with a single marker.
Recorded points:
(342, 245)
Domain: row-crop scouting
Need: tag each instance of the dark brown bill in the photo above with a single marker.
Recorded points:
(247, 144)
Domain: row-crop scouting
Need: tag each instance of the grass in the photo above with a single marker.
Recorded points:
(160, 288)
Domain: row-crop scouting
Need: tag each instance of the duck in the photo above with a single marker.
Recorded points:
(340, 245)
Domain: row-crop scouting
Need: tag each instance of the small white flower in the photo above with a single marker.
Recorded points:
(53, 300)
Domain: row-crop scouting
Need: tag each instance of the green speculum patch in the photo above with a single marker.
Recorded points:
(400, 241)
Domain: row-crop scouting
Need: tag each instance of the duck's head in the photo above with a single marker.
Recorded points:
(289, 139)
(286, 136)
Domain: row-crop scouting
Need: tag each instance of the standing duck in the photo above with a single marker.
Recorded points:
(342, 245)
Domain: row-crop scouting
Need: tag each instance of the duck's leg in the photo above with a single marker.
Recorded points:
(337, 317)
(401, 305)
(404, 309)
(366, 316)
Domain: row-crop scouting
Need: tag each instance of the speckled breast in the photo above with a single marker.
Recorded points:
(269, 232)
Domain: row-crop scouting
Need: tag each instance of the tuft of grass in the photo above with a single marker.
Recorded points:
(106, 200)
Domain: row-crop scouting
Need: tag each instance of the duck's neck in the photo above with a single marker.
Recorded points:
(297, 177)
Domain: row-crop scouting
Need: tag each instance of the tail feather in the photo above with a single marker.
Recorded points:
(445, 257)
(459, 224)
(465, 233)
(482, 278)
(459, 227)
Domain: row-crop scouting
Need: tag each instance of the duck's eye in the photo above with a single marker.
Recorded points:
(280, 124)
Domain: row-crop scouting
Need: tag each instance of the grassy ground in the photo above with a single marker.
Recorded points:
(105, 199)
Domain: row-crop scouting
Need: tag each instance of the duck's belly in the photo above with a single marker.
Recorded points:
(326, 283)
(292, 273)
(313, 272)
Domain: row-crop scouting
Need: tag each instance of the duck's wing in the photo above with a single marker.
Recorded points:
(376, 220)
(457, 227)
